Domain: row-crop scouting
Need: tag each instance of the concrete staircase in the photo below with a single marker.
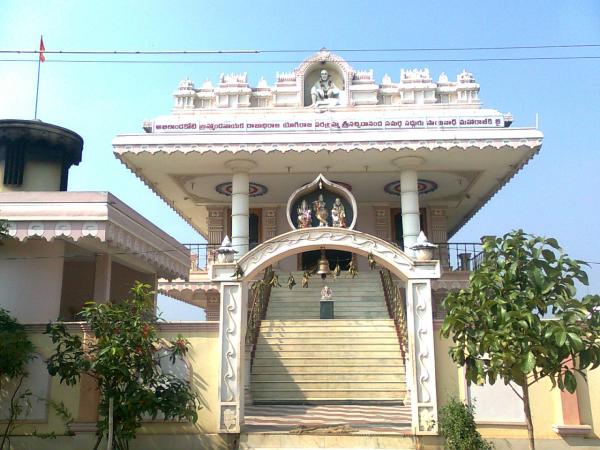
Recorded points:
(354, 358)
(281, 441)
(355, 298)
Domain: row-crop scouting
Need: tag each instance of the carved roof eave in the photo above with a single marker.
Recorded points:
(192, 293)
(486, 198)
(166, 264)
(92, 218)
(121, 150)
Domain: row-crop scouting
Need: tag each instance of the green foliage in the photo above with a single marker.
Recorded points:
(457, 426)
(16, 350)
(519, 320)
(123, 356)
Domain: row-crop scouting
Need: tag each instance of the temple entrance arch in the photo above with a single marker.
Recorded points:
(234, 360)
(307, 239)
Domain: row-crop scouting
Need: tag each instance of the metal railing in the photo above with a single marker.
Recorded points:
(396, 305)
(201, 255)
(462, 256)
(261, 292)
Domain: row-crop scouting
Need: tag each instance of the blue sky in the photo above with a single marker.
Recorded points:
(555, 195)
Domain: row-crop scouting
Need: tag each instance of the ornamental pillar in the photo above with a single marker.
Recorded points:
(421, 367)
(232, 329)
(240, 204)
(409, 200)
(216, 225)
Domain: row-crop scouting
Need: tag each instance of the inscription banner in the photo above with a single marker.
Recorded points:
(319, 124)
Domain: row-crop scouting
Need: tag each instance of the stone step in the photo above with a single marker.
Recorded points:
(284, 338)
(316, 351)
(325, 385)
(326, 325)
(314, 331)
(361, 286)
(339, 315)
(321, 361)
(366, 394)
(266, 369)
(286, 441)
(346, 298)
(350, 377)
(329, 323)
(333, 348)
(338, 304)
(350, 291)
(341, 334)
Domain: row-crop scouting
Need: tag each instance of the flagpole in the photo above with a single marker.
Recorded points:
(37, 89)
(41, 59)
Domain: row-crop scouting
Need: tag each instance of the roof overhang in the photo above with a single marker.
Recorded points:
(481, 159)
(97, 222)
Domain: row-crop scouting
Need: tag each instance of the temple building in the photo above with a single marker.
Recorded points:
(327, 203)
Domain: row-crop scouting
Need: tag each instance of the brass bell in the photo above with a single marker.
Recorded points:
(323, 265)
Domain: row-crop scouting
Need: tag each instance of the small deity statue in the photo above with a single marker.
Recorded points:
(304, 215)
(320, 209)
(326, 293)
(338, 214)
(324, 88)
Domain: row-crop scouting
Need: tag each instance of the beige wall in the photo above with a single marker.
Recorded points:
(31, 284)
(204, 361)
(546, 406)
(588, 395)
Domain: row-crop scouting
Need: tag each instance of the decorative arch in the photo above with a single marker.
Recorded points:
(235, 358)
(324, 58)
(306, 239)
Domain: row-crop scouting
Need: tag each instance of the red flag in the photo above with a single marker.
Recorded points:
(42, 49)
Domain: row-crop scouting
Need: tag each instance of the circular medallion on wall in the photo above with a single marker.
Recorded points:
(425, 187)
(255, 189)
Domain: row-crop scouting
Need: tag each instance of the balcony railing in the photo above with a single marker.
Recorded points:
(201, 255)
(463, 256)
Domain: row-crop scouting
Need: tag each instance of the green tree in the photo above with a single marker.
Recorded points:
(124, 357)
(519, 319)
(16, 350)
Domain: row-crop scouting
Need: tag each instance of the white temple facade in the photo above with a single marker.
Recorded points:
(266, 165)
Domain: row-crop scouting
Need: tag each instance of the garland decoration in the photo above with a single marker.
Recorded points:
(291, 282)
(238, 273)
(352, 270)
(372, 262)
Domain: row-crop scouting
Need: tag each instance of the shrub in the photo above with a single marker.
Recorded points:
(457, 426)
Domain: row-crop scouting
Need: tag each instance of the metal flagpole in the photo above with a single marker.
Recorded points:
(37, 88)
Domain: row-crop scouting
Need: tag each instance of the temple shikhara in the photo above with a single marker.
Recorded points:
(326, 203)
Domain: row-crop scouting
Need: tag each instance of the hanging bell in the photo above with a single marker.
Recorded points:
(323, 265)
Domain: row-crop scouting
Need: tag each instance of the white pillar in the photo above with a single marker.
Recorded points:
(240, 207)
(409, 200)
(102, 278)
(240, 204)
